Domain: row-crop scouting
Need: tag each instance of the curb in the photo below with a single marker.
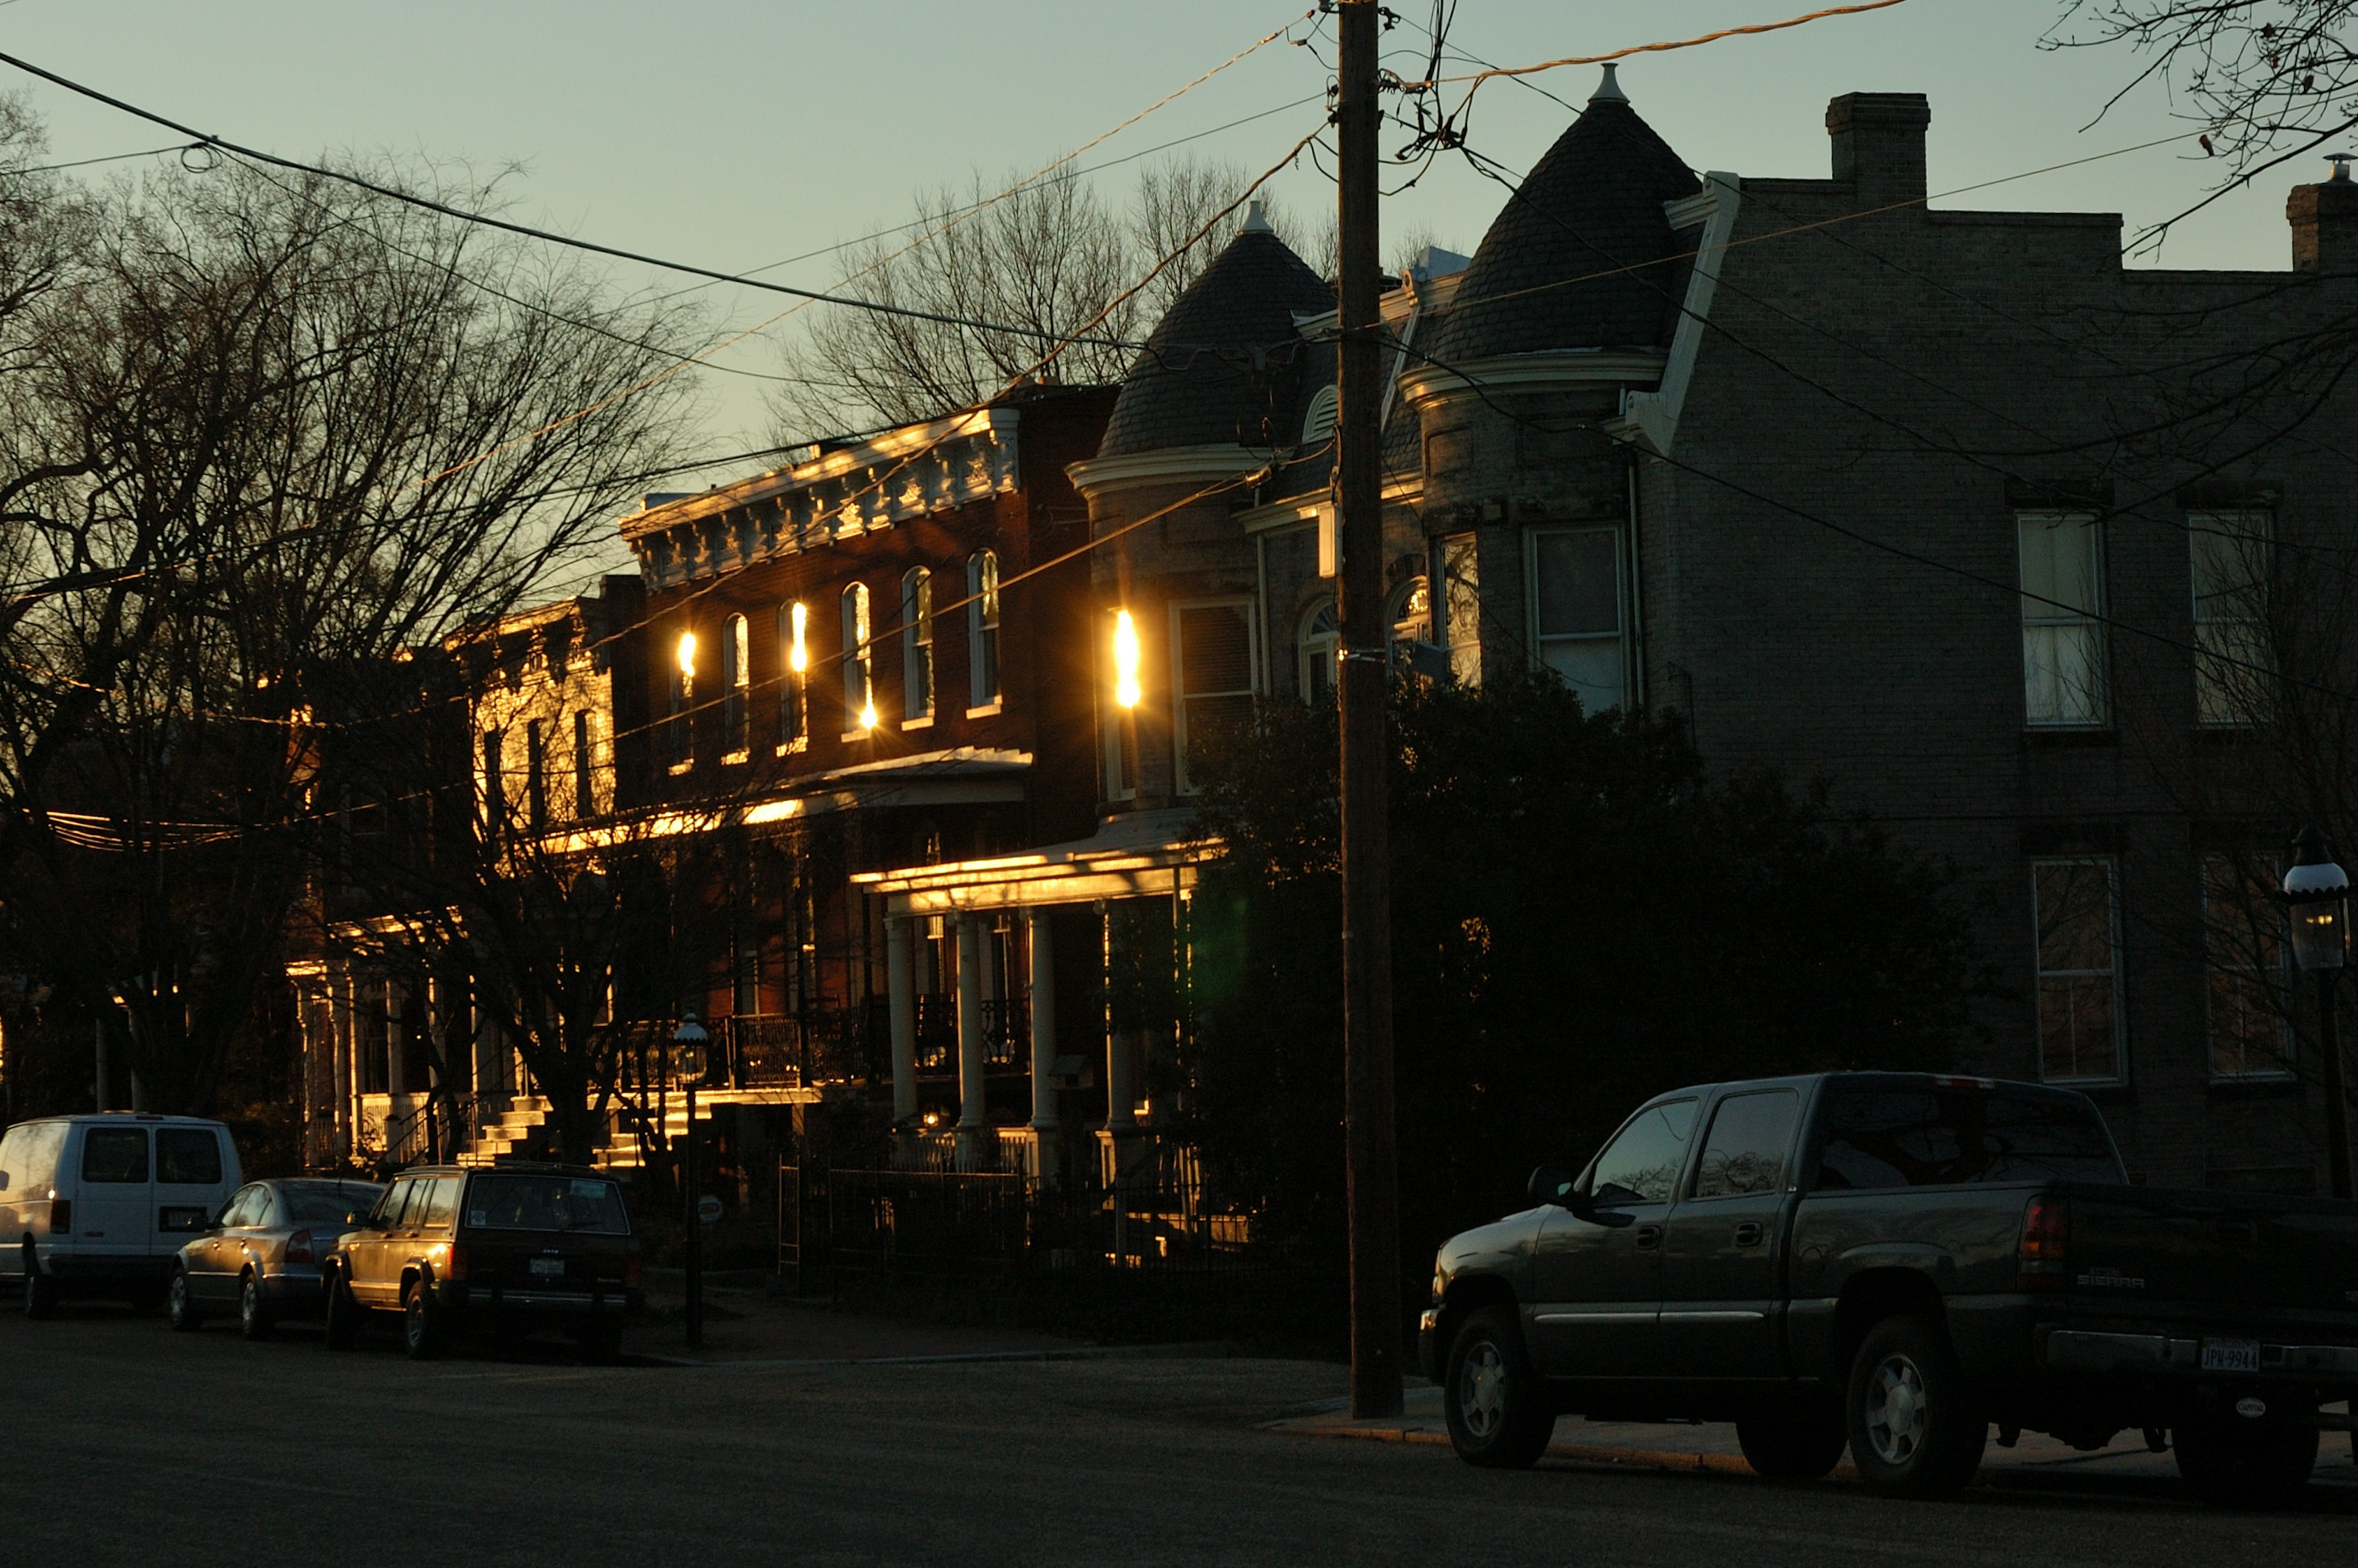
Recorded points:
(1193, 1350)
(1628, 1458)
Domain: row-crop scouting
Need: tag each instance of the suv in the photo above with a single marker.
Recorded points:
(515, 1248)
(98, 1206)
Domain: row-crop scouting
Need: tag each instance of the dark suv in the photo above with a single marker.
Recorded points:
(513, 1248)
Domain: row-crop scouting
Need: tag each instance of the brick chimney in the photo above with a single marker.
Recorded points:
(1879, 144)
(2324, 220)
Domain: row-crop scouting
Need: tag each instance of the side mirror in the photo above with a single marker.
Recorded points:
(1549, 1186)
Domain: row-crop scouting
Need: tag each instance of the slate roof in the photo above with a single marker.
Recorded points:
(1592, 204)
(1225, 364)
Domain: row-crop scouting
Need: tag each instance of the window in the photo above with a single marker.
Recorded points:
(2062, 636)
(859, 689)
(508, 1201)
(737, 687)
(1117, 718)
(1213, 663)
(1576, 576)
(2233, 554)
(493, 781)
(794, 681)
(114, 1154)
(2244, 969)
(585, 768)
(1878, 1137)
(1318, 423)
(982, 629)
(682, 723)
(248, 1209)
(441, 1196)
(1643, 1162)
(536, 775)
(1461, 607)
(1412, 617)
(2077, 920)
(1316, 650)
(916, 644)
(187, 1155)
(1750, 1141)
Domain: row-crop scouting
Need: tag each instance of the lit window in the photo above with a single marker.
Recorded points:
(737, 685)
(916, 644)
(793, 689)
(683, 702)
(1211, 664)
(2076, 910)
(2244, 969)
(2062, 629)
(1576, 576)
(858, 687)
(1316, 649)
(982, 629)
(1410, 615)
(2233, 553)
(1118, 723)
(1461, 607)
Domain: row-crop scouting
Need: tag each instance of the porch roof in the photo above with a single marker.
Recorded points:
(1135, 855)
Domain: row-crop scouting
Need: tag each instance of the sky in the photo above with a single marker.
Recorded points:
(733, 135)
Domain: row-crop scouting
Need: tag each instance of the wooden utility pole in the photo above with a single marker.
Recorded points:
(1374, 1183)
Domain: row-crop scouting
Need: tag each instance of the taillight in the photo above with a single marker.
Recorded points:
(299, 1248)
(631, 1270)
(60, 1217)
(455, 1266)
(2042, 1254)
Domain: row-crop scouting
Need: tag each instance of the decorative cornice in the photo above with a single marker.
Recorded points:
(914, 471)
(1549, 370)
(1094, 477)
(1651, 418)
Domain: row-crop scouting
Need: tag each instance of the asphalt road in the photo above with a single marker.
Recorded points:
(129, 1443)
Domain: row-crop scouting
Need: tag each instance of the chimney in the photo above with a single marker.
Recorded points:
(2324, 220)
(1879, 144)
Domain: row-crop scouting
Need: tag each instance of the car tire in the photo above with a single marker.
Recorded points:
(180, 1303)
(2237, 1462)
(343, 1313)
(40, 1291)
(1915, 1428)
(254, 1316)
(421, 1322)
(1499, 1413)
(1793, 1442)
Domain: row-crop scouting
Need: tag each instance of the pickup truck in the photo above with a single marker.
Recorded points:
(1894, 1263)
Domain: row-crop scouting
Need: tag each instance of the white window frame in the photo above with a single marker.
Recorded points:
(794, 685)
(2042, 974)
(680, 737)
(1618, 637)
(737, 683)
(2215, 869)
(916, 647)
(986, 680)
(2043, 620)
(1175, 662)
(1117, 722)
(1313, 646)
(2225, 694)
(859, 660)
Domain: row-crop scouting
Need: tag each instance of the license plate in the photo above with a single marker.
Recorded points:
(556, 1266)
(2231, 1355)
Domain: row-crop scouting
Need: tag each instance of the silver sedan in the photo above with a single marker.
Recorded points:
(261, 1257)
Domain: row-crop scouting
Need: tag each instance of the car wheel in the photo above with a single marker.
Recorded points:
(2236, 1460)
(181, 1304)
(1915, 1428)
(1499, 1413)
(421, 1322)
(1797, 1442)
(254, 1319)
(343, 1313)
(40, 1291)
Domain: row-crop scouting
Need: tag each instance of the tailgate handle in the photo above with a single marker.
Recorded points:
(1749, 1233)
(1648, 1234)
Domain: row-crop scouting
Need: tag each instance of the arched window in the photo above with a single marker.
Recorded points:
(1318, 423)
(859, 689)
(1410, 618)
(683, 706)
(982, 629)
(916, 644)
(1317, 647)
(737, 685)
(793, 695)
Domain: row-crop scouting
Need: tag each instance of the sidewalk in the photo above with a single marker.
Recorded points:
(1646, 1445)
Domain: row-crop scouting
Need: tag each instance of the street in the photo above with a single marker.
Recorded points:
(129, 1443)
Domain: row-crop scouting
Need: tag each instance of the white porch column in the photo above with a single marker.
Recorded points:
(340, 1052)
(972, 1114)
(1041, 939)
(901, 988)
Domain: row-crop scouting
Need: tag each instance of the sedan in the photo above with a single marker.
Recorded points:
(261, 1257)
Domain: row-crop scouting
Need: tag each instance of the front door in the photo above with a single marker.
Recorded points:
(1599, 1285)
(114, 1210)
(1722, 1257)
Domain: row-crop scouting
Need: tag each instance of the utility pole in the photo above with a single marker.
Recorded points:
(1374, 1183)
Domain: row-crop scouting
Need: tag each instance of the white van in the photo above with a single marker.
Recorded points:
(99, 1206)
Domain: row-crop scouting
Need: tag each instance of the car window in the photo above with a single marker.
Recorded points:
(517, 1201)
(114, 1154)
(33, 1169)
(388, 1213)
(1747, 1149)
(13, 1149)
(1642, 1162)
(189, 1155)
(243, 1209)
(442, 1197)
(1946, 1136)
(327, 1205)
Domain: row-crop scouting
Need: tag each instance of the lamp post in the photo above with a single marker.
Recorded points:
(687, 1059)
(2317, 891)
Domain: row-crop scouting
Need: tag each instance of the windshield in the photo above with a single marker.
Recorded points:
(1946, 1136)
(517, 1201)
(328, 1205)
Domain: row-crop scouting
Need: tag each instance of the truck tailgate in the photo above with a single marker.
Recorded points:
(2227, 1256)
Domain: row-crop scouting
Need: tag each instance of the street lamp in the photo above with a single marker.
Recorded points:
(2317, 894)
(687, 1043)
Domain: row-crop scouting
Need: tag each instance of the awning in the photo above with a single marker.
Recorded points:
(1138, 854)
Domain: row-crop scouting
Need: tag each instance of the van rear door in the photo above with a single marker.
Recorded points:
(192, 1174)
(114, 1200)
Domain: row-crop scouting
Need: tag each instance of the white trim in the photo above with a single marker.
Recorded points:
(1653, 417)
(1103, 476)
(1547, 371)
(923, 722)
(987, 710)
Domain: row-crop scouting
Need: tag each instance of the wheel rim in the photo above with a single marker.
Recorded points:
(1482, 1391)
(249, 1300)
(178, 1299)
(415, 1320)
(1896, 1406)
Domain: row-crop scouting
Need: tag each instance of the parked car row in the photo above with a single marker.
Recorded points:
(151, 1209)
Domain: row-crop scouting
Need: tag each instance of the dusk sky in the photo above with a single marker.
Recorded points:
(734, 134)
